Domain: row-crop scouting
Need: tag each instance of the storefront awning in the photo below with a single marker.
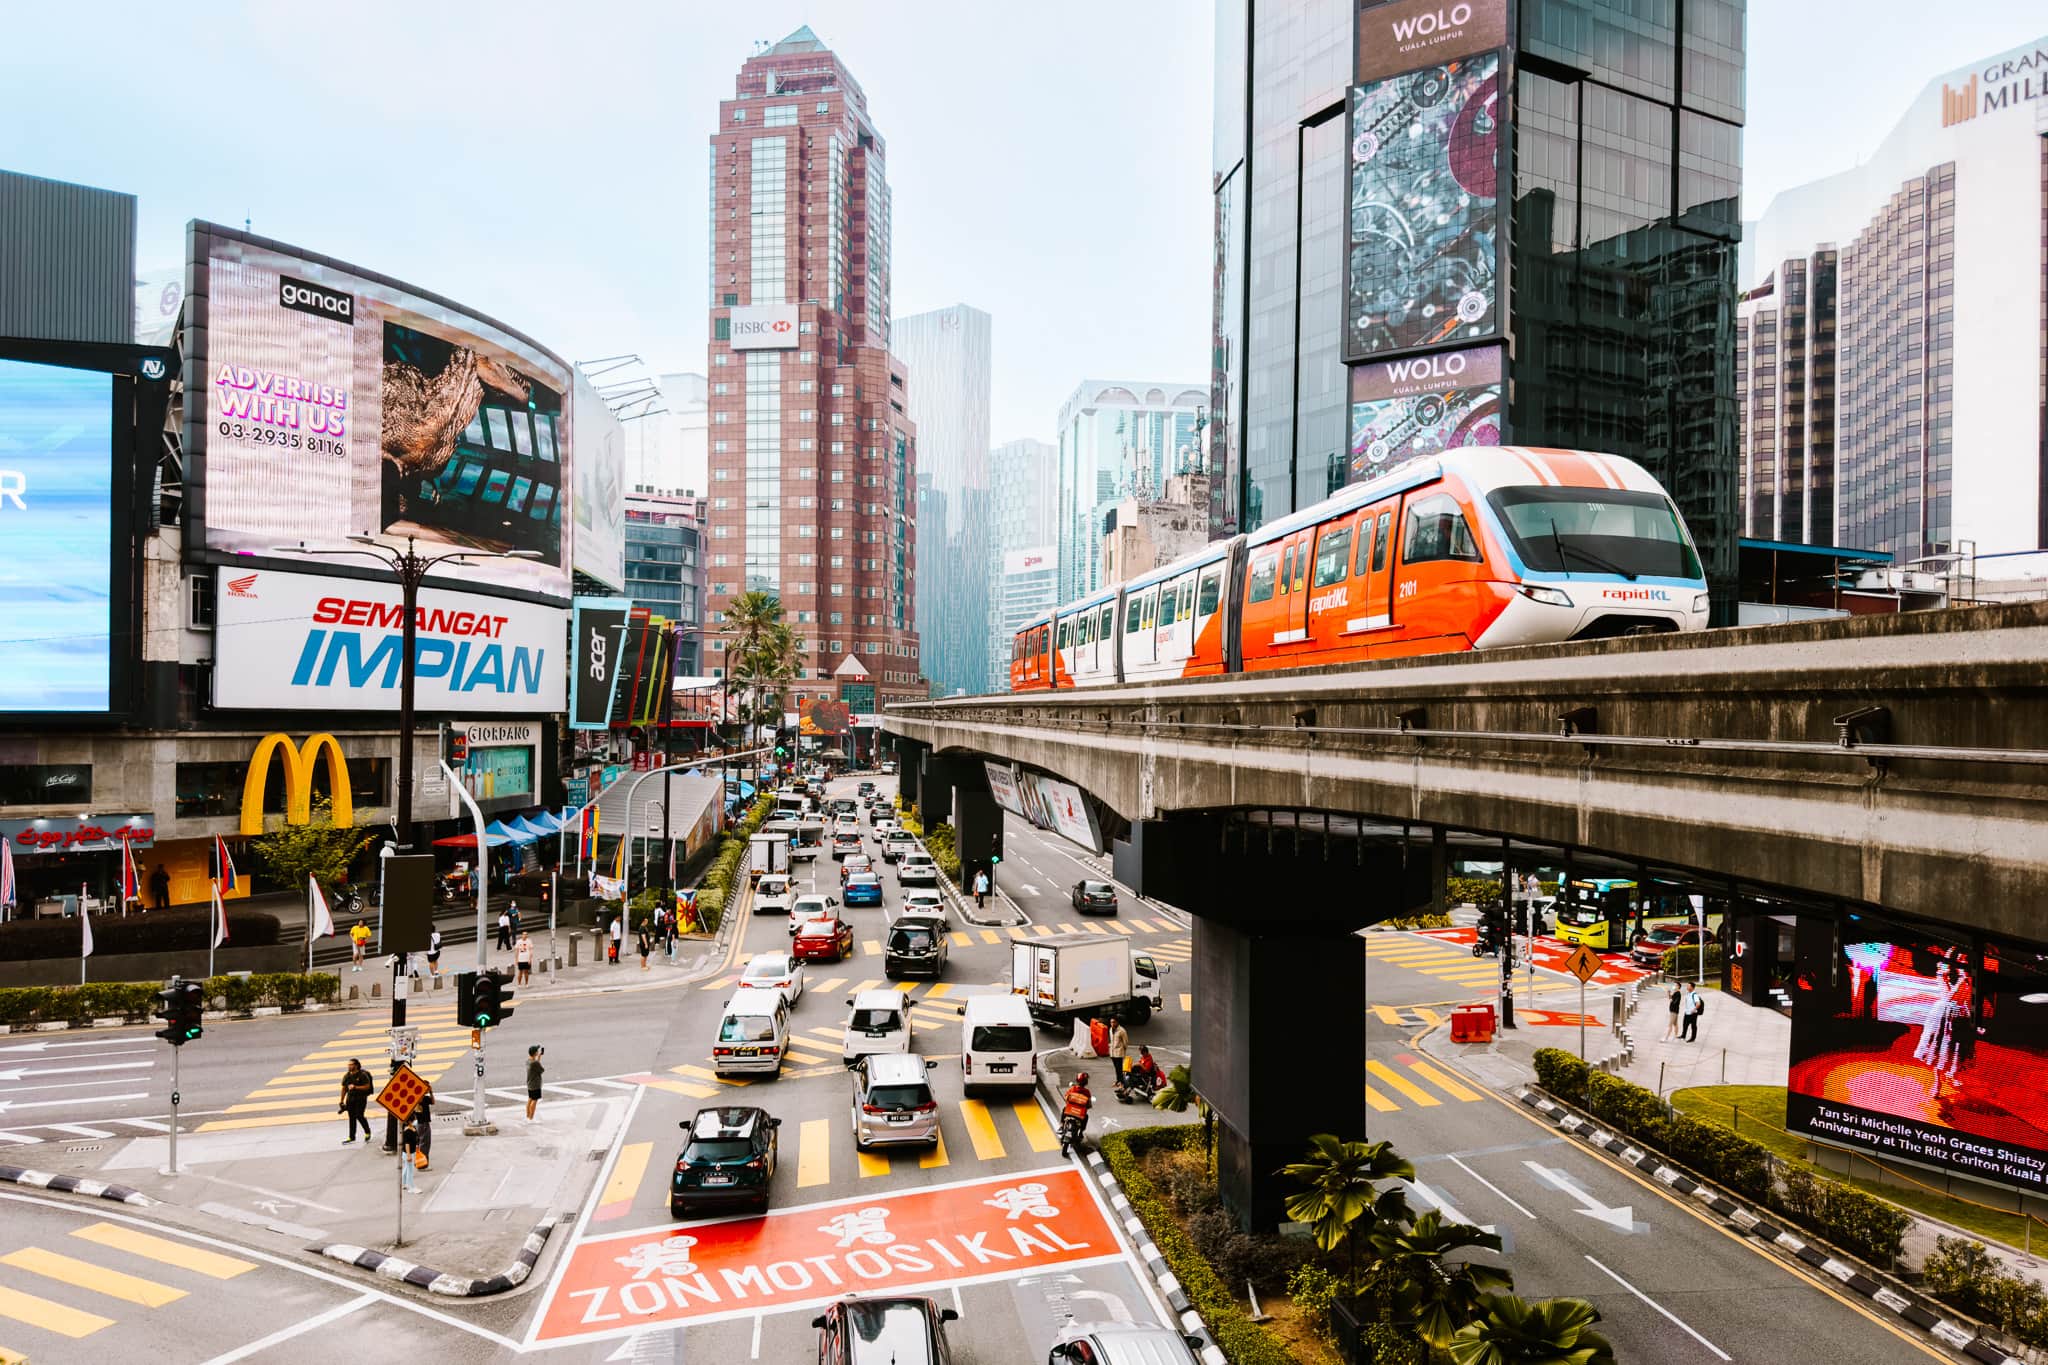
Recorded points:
(469, 840)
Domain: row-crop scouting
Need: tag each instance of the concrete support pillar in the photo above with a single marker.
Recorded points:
(935, 791)
(909, 769)
(978, 822)
(1279, 1052)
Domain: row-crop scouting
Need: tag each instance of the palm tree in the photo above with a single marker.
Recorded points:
(757, 643)
(1343, 1188)
(1439, 1297)
(1177, 1093)
(1509, 1331)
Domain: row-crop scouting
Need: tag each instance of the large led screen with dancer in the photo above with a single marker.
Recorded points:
(1921, 1048)
(1422, 242)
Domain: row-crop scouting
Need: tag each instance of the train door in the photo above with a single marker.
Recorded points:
(1084, 651)
(1329, 587)
(1290, 634)
(1141, 619)
(1369, 619)
(1106, 621)
(1063, 652)
(1440, 559)
(1236, 576)
(1209, 651)
(1177, 622)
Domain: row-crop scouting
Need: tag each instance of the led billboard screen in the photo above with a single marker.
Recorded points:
(1401, 36)
(1402, 410)
(1422, 242)
(57, 528)
(599, 439)
(325, 402)
(1914, 1047)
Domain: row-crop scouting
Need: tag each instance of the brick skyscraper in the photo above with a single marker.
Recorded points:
(813, 460)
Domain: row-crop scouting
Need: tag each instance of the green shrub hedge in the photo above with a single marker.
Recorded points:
(939, 842)
(27, 1006)
(1562, 1074)
(1627, 1106)
(1242, 1340)
(715, 889)
(1845, 1215)
(1418, 922)
(159, 931)
(1684, 961)
(1962, 1273)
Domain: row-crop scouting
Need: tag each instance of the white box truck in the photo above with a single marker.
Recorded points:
(768, 852)
(1072, 976)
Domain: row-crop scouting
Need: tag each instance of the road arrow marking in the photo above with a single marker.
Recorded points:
(1619, 1218)
(6, 1105)
(1442, 1205)
(1028, 889)
(18, 1072)
(97, 1042)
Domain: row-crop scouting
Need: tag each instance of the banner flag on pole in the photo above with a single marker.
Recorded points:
(85, 922)
(131, 885)
(227, 878)
(323, 921)
(220, 916)
(6, 873)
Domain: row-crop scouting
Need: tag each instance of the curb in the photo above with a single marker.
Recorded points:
(1155, 1263)
(434, 1281)
(1747, 1221)
(75, 1184)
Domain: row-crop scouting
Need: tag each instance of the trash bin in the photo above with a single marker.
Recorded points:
(1472, 1024)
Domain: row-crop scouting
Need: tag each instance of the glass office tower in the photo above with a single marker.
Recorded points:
(1583, 259)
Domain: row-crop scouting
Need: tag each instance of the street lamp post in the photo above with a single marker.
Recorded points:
(410, 568)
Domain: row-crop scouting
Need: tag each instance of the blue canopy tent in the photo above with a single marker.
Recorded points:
(543, 822)
(517, 836)
(522, 824)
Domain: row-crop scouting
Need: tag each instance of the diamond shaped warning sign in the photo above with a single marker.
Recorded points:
(401, 1094)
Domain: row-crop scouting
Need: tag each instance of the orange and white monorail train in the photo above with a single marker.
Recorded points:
(1475, 548)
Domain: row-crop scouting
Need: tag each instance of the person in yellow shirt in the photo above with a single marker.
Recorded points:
(359, 937)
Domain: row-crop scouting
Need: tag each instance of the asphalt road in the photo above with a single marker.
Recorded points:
(993, 1223)
(1671, 1285)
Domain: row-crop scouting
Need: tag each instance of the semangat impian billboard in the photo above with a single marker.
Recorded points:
(324, 402)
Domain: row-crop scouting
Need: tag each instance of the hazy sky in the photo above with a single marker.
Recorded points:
(547, 164)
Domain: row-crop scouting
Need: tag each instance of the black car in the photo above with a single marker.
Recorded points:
(866, 789)
(916, 947)
(905, 1330)
(1092, 897)
(729, 1159)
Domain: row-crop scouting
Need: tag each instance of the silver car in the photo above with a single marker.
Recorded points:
(893, 1102)
(1122, 1343)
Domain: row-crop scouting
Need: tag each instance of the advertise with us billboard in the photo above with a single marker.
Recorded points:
(1923, 1049)
(1423, 239)
(1421, 405)
(1046, 802)
(324, 402)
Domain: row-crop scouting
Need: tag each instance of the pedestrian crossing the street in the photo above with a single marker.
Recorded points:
(102, 1273)
(308, 1090)
(1452, 965)
(1411, 1082)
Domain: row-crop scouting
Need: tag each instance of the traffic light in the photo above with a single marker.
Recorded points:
(455, 747)
(179, 1004)
(491, 1001)
(465, 997)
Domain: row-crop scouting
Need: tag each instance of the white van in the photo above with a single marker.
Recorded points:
(995, 1043)
(753, 1033)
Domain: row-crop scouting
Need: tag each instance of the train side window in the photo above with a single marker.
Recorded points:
(1211, 593)
(1169, 605)
(1260, 587)
(1333, 555)
(1151, 607)
(1379, 542)
(1066, 630)
(1364, 545)
(1134, 614)
(1108, 623)
(1437, 530)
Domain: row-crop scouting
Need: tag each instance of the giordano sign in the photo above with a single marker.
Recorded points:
(298, 781)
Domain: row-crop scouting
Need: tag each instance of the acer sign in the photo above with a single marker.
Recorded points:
(1412, 33)
(765, 327)
(600, 644)
(291, 641)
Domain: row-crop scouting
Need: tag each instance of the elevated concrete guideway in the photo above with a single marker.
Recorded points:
(1898, 761)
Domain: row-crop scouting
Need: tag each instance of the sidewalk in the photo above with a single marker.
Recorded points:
(1057, 1067)
(1739, 1044)
(591, 975)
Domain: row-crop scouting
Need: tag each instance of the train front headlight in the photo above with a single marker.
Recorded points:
(1549, 597)
(1699, 601)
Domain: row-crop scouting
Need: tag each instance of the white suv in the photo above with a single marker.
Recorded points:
(774, 892)
(809, 907)
(880, 1022)
(917, 868)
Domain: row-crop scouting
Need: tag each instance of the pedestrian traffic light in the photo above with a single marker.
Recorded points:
(457, 747)
(492, 1000)
(179, 1005)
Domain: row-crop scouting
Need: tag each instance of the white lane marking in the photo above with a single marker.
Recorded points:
(757, 1337)
(82, 1131)
(1669, 1316)
(284, 1334)
(16, 1073)
(65, 1085)
(1442, 1205)
(94, 1042)
(293, 1198)
(958, 1306)
(6, 1105)
(1490, 1185)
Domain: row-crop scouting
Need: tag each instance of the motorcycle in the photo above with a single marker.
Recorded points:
(1138, 1089)
(1072, 1128)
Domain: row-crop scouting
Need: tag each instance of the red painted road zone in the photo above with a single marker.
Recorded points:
(888, 1243)
(1551, 955)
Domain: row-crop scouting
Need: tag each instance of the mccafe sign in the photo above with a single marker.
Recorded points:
(1409, 34)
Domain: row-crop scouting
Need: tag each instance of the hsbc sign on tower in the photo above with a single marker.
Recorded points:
(764, 327)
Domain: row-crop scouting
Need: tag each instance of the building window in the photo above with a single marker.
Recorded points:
(47, 786)
(731, 300)
(739, 116)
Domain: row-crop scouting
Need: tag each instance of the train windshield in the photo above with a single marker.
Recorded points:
(1597, 530)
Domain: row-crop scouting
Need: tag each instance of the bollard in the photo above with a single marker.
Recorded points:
(572, 950)
(375, 990)
(1660, 1080)
(1724, 1066)
(354, 993)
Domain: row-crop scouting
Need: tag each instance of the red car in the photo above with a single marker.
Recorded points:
(827, 938)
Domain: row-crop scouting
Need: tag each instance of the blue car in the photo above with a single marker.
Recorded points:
(863, 888)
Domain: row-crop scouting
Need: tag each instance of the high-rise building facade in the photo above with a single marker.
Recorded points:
(947, 355)
(1118, 439)
(1895, 332)
(1024, 553)
(1460, 225)
(813, 459)
(665, 569)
